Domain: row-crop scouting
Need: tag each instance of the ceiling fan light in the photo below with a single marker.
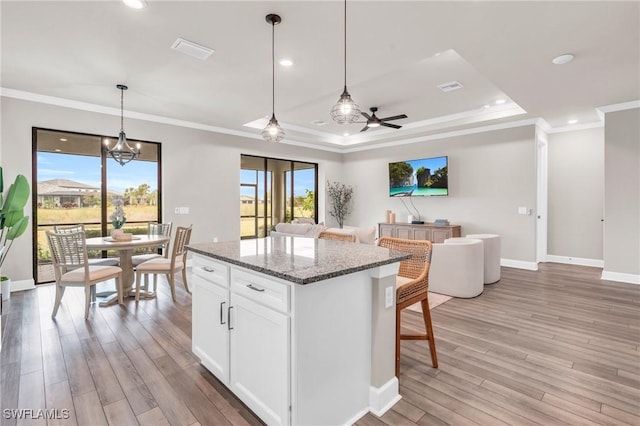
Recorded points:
(373, 124)
(273, 132)
(345, 111)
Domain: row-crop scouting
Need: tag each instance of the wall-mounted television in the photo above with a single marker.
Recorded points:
(419, 178)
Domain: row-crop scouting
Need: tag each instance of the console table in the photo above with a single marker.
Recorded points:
(426, 231)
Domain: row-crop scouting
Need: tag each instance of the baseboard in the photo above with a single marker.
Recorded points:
(621, 277)
(597, 263)
(383, 398)
(357, 417)
(22, 285)
(520, 264)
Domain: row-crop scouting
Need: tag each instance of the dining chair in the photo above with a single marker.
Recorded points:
(154, 228)
(167, 266)
(67, 229)
(72, 268)
(412, 285)
(340, 236)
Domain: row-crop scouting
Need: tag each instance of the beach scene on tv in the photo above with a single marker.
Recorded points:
(424, 177)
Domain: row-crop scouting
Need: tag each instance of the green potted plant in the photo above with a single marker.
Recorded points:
(13, 222)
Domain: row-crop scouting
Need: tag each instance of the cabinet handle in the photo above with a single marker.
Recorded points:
(252, 287)
(229, 318)
(208, 269)
(221, 314)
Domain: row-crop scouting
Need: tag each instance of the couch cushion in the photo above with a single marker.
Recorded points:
(364, 235)
(293, 228)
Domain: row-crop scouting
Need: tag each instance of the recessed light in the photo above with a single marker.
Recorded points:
(574, 121)
(63, 140)
(563, 59)
(58, 150)
(319, 122)
(286, 62)
(346, 134)
(500, 101)
(486, 106)
(135, 4)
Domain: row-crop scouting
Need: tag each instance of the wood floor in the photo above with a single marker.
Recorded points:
(557, 346)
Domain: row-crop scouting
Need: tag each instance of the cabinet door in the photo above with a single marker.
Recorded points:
(386, 231)
(405, 232)
(210, 336)
(421, 233)
(259, 353)
(439, 235)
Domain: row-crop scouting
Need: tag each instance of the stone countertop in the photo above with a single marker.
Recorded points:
(298, 259)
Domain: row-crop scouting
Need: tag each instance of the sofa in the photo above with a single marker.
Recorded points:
(363, 235)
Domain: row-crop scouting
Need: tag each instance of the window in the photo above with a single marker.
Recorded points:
(274, 191)
(76, 183)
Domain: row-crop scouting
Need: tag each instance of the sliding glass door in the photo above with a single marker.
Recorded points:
(274, 191)
(76, 183)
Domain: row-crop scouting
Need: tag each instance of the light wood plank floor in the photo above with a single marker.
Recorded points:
(557, 346)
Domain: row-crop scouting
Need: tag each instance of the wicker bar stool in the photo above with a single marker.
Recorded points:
(412, 284)
(340, 236)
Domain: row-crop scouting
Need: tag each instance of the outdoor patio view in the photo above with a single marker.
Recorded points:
(71, 189)
(274, 191)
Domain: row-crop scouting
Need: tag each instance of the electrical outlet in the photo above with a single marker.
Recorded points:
(388, 297)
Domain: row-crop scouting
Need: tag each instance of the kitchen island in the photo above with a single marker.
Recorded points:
(302, 330)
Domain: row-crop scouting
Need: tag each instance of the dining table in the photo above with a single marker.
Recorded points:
(125, 251)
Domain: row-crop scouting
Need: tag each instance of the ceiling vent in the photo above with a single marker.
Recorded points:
(449, 86)
(192, 49)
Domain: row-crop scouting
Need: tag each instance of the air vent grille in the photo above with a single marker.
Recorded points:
(449, 86)
(192, 49)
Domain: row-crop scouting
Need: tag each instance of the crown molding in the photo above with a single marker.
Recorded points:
(576, 127)
(619, 107)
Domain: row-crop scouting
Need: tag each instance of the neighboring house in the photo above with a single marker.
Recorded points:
(65, 193)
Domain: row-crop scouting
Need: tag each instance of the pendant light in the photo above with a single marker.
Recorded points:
(346, 111)
(273, 132)
(122, 151)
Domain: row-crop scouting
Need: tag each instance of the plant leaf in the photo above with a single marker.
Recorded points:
(18, 195)
(18, 228)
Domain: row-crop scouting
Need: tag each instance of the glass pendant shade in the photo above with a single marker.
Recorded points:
(122, 151)
(273, 132)
(345, 111)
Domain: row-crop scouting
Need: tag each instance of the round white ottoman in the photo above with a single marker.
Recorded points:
(457, 268)
(491, 256)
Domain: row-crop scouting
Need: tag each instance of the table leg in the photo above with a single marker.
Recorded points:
(128, 278)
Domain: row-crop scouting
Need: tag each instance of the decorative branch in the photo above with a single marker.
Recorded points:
(340, 197)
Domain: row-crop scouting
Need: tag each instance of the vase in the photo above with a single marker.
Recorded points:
(6, 289)
(116, 232)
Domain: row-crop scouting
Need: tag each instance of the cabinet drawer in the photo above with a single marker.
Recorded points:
(269, 293)
(211, 270)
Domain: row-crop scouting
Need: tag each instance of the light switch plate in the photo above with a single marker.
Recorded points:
(523, 210)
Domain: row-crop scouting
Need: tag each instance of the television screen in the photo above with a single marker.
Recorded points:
(419, 178)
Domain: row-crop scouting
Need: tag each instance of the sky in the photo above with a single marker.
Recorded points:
(86, 169)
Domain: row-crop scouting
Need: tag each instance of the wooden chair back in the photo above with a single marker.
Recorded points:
(183, 235)
(415, 268)
(68, 250)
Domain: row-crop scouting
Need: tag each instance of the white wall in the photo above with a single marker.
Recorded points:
(576, 195)
(622, 196)
(490, 175)
(201, 170)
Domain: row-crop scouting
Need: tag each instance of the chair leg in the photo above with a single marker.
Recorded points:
(398, 329)
(426, 313)
(138, 284)
(155, 282)
(56, 305)
(172, 283)
(184, 280)
(87, 302)
(93, 293)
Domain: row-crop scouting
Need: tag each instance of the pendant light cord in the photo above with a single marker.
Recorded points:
(122, 110)
(345, 43)
(273, 69)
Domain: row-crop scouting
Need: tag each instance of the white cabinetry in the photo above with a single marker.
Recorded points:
(241, 334)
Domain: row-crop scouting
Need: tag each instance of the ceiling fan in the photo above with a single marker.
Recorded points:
(373, 121)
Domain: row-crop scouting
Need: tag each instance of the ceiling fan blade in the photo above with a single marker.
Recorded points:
(365, 128)
(393, 126)
(365, 115)
(395, 117)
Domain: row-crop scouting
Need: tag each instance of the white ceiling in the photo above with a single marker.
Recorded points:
(398, 51)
